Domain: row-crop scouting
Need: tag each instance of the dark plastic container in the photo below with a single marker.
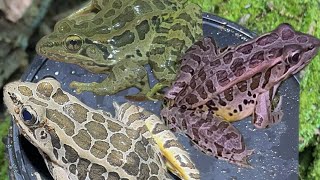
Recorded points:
(276, 148)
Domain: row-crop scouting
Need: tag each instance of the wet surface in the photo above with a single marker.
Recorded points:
(276, 148)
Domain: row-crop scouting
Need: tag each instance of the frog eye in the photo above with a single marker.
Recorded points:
(294, 59)
(28, 116)
(73, 43)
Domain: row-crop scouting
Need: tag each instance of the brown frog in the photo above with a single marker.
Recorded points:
(218, 86)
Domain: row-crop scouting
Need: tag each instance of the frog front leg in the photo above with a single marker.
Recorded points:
(263, 115)
(124, 74)
(211, 134)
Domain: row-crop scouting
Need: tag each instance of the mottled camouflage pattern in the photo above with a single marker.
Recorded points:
(120, 37)
(78, 142)
(217, 86)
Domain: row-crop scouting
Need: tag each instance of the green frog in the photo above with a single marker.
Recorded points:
(120, 37)
(78, 142)
(218, 86)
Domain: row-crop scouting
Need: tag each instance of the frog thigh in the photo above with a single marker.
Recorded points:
(263, 116)
(124, 74)
(212, 135)
(177, 158)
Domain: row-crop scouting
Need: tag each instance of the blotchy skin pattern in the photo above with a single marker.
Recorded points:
(218, 86)
(120, 37)
(78, 142)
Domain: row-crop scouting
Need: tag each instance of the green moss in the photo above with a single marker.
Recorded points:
(314, 172)
(4, 128)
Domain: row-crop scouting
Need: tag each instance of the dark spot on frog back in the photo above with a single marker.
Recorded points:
(117, 4)
(97, 21)
(132, 164)
(158, 4)
(24, 90)
(267, 39)
(227, 58)
(96, 130)
(44, 90)
(245, 49)
(82, 168)
(287, 34)
(127, 16)
(123, 39)
(302, 39)
(242, 86)
(76, 111)
(209, 85)
(228, 94)
(82, 25)
(110, 13)
(60, 97)
(71, 155)
(222, 77)
(237, 67)
(83, 139)
(142, 29)
(256, 59)
(255, 81)
(192, 99)
(275, 52)
(96, 171)
(202, 92)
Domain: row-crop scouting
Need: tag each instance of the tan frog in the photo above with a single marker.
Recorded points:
(78, 142)
(120, 37)
(218, 86)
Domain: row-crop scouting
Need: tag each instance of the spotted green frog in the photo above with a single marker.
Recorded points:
(120, 37)
(78, 142)
(218, 86)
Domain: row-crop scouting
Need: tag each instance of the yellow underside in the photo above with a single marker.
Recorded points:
(224, 113)
(171, 162)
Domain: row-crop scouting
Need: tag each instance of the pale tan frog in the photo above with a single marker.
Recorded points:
(78, 142)
(120, 37)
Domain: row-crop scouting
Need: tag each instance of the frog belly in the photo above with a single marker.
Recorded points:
(232, 113)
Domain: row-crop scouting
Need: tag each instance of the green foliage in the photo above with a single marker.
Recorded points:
(4, 128)
(314, 168)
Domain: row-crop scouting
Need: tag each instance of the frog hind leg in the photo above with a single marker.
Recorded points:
(212, 135)
(124, 74)
(177, 158)
(263, 115)
(178, 32)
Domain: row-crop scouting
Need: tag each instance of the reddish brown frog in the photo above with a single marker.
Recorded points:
(218, 86)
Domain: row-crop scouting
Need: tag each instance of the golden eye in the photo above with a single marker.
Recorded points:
(73, 43)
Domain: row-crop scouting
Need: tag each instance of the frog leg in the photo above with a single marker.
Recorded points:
(89, 8)
(124, 74)
(177, 158)
(263, 115)
(211, 134)
(176, 33)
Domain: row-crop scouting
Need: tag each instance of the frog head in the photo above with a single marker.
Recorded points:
(79, 42)
(29, 112)
(289, 51)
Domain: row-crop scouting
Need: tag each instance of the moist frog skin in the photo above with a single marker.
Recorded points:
(119, 38)
(79, 142)
(218, 86)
